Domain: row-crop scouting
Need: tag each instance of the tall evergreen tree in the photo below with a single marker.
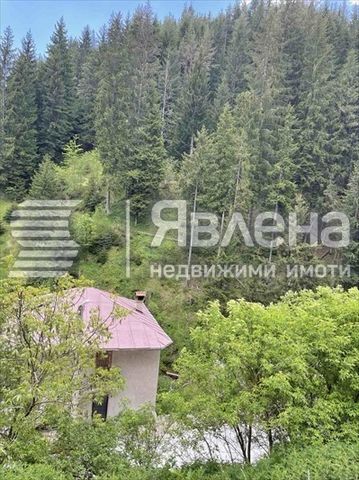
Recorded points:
(86, 64)
(58, 94)
(21, 153)
(345, 123)
(7, 55)
(281, 189)
(112, 108)
(235, 78)
(316, 109)
(192, 106)
(143, 170)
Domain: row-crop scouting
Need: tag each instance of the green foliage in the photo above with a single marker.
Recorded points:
(288, 369)
(47, 360)
(86, 449)
(94, 231)
(330, 461)
(82, 175)
(32, 472)
(57, 95)
(333, 460)
(20, 149)
(140, 441)
(46, 184)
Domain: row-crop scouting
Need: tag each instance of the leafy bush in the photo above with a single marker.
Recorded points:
(8, 212)
(85, 449)
(82, 175)
(32, 472)
(46, 183)
(332, 461)
(94, 231)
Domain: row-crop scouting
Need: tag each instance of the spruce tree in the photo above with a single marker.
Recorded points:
(316, 110)
(281, 188)
(112, 109)
(21, 153)
(143, 170)
(58, 95)
(86, 65)
(46, 184)
(192, 106)
(235, 78)
(7, 56)
(345, 124)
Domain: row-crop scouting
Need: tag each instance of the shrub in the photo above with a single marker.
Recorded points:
(94, 231)
(8, 213)
(32, 472)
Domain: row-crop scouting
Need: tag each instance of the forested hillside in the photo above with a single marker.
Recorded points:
(272, 87)
(255, 109)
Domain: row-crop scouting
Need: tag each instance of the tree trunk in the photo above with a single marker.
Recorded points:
(108, 197)
(192, 223)
(164, 98)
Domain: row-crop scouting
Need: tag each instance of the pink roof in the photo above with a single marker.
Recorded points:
(137, 330)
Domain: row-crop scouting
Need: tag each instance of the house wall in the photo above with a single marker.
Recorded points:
(140, 371)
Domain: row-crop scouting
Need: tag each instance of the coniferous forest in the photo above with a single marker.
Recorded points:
(255, 109)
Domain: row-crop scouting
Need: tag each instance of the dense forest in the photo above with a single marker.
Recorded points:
(255, 109)
(270, 87)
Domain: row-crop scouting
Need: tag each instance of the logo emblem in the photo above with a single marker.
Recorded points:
(41, 228)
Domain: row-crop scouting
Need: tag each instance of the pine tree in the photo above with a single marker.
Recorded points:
(292, 17)
(345, 124)
(193, 173)
(7, 55)
(350, 205)
(21, 155)
(227, 169)
(169, 75)
(58, 95)
(235, 78)
(142, 40)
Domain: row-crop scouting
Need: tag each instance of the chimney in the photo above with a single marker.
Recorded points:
(140, 296)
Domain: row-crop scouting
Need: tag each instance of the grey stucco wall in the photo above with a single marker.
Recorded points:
(140, 371)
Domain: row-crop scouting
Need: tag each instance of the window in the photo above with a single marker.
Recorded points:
(103, 360)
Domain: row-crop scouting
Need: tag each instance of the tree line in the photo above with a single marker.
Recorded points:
(264, 97)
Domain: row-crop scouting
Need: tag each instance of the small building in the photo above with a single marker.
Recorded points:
(135, 345)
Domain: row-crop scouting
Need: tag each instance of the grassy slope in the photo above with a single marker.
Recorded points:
(7, 245)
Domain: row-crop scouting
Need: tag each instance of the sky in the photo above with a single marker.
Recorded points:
(40, 16)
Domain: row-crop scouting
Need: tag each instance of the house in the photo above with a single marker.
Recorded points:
(135, 345)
